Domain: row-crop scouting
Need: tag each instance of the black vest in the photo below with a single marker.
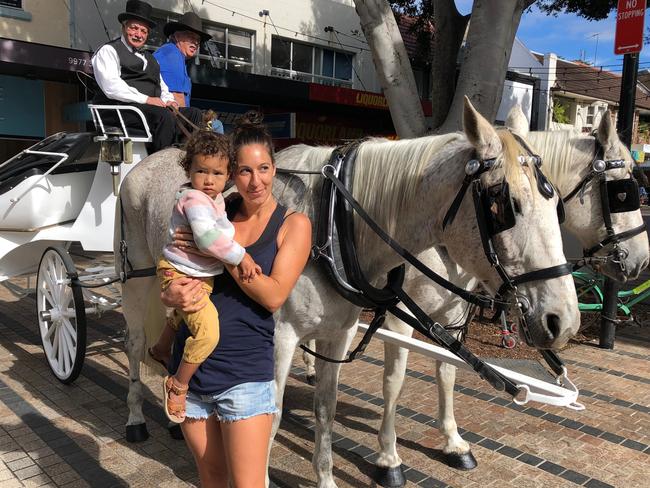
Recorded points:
(146, 81)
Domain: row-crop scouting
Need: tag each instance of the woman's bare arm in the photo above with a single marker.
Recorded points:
(294, 244)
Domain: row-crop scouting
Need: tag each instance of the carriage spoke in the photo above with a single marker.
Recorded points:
(55, 342)
(64, 354)
(48, 297)
(50, 331)
(70, 332)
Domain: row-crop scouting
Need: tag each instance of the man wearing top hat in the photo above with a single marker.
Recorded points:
(128, 74)
(184, 40)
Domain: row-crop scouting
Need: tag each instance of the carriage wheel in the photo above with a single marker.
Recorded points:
(61, 314)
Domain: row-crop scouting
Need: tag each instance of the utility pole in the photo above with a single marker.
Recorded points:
(596, 35)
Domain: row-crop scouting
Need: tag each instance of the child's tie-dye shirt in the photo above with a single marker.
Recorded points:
(213, 234)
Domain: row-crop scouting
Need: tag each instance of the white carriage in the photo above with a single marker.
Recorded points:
(58, 192)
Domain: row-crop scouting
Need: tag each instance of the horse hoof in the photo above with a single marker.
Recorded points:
(390, 477)
(137, 433)
(311, 379)
(175, 432)
(464, 461)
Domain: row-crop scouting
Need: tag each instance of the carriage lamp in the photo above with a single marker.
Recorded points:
(116, 150)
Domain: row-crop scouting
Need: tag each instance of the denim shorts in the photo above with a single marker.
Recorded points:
(237, 403)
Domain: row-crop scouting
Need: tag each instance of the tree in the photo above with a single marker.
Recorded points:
(559, 113)
(393, 66)
(485, 58)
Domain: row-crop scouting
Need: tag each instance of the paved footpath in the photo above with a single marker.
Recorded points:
(73, 436)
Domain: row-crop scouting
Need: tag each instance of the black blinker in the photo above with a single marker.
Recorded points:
(623, 195)
(499, 209)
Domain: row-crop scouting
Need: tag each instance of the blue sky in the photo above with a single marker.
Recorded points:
(567, 35)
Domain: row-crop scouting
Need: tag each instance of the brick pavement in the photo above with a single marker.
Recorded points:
(73, 436)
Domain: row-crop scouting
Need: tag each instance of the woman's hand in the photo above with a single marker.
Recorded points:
(184, 294)
(182, 238)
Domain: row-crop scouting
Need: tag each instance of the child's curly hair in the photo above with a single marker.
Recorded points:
(207, 143)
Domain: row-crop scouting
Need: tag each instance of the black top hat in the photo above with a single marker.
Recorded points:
(189, 21)
(138, 10)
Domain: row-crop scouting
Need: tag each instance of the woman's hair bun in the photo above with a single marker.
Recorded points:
(249, 129)
(249, 120)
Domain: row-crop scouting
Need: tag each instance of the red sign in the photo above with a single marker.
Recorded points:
(357, 98)
(629, 26)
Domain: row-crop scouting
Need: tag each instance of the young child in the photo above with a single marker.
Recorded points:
(199, 206)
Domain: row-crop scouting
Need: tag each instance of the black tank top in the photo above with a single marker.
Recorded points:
(245, 350)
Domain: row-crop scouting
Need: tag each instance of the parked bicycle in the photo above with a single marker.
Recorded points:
(590, 285)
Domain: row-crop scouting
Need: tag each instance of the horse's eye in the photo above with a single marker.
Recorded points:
(517, 206)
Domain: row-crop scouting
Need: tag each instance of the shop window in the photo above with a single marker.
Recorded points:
(14, 9)
(229, 48)
(306, 62)
(12, 3)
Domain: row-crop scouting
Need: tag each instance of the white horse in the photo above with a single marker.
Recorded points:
(407, 187)
(567, 159)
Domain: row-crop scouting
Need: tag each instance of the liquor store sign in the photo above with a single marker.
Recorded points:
(630, 17)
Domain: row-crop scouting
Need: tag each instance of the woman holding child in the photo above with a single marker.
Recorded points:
(231, 398)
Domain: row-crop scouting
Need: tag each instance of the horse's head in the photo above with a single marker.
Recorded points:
(523, 229)
(594, 176)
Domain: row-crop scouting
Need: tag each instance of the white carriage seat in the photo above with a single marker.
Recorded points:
(110, 123)
(47, 183)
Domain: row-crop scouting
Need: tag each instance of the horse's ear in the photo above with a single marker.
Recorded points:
(517, 121)
(480, 133)
(606, 133)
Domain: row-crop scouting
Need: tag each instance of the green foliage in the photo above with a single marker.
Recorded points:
(559, 113)
(589, 9)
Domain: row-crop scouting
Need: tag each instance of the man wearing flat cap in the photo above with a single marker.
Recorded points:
(184, 40)
(129, 75)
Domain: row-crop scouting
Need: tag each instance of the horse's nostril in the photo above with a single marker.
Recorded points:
(553, 325)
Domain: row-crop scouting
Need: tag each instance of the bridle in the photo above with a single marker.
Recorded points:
(616, 196)
(495, 213)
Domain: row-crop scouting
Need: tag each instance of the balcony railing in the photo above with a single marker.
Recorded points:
(310, 77)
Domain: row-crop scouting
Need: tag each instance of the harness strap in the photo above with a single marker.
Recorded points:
(486, 240)
(423, 324)
(544, 274)
(580, 187)
(604, 203)
(614, 239)
(473, 298)
(377, 322)
(124, 256)
(455, 205)
(183, 122)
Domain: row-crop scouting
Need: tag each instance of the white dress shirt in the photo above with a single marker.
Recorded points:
(106, 66)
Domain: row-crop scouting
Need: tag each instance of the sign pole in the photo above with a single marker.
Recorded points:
(627, 99)
(628, 41)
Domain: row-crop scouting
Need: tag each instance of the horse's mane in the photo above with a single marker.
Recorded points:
(512, 168)
(565, 153)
